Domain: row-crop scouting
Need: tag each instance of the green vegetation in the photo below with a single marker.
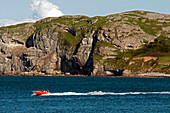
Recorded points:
(83, 22)
(63, 20)
(41, 25)
(101, 21)
(70, 40)
(57, 68)
(117, 63)
(140, 65)
(97, 57)
(164, 59)
(67, 20)
(140, 12)
(104, 44)
(131, 15)
(160, 47)
(161, 68)
(136, 66)
(149, 26)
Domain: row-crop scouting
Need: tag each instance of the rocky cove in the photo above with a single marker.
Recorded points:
(128, 43)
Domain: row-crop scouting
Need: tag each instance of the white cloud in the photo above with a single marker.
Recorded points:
(41, 9)
(44, 8)
(7, 22)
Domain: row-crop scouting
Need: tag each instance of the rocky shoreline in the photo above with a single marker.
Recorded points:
(146, 75)
(92, 46)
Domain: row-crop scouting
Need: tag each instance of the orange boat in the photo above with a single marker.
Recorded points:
(39, 92)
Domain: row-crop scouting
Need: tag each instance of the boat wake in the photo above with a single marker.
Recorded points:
(101, 93)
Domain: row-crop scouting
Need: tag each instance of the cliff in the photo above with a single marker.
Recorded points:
(126, 43)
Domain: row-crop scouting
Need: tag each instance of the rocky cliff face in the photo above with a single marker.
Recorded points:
(79, 44)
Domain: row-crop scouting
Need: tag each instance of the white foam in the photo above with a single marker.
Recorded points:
(33, 94)
(102, 93)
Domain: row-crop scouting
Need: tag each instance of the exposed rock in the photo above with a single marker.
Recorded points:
(80, 44)
(127, 72)
(143, 64)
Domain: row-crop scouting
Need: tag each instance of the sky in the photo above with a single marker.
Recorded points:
(18, 11)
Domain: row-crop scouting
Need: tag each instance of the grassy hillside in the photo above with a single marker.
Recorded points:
(138, 41)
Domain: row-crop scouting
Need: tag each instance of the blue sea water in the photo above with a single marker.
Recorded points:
(84, 95)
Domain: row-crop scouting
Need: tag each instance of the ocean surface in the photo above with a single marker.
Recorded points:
(84, 95)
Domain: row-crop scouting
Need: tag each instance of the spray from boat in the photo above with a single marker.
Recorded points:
(99, 93)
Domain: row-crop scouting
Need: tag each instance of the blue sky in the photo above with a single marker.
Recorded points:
(20, 9)
(104, 7)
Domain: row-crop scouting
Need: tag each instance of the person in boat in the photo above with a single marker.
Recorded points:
(46, 90)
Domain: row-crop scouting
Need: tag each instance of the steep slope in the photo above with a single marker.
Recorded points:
(84, 45)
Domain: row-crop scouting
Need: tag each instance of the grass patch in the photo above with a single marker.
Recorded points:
(160, 47)
(70, 40)
(149, 26)
(57, 68)
(117, 63)
(164, 59)
(131, 15)
(63, 20)
(101, 21)
(140, 12)
(97, 58)
(136, 66)
(105, 44)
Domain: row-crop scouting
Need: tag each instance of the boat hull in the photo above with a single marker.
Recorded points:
(38, 93)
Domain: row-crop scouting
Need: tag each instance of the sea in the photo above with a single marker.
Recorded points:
(84, 94)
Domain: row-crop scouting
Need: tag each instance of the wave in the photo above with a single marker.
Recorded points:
(98, 93)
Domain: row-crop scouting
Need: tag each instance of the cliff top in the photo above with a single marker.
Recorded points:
(100, 44)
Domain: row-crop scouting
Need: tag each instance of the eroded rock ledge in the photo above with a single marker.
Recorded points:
(79, 45)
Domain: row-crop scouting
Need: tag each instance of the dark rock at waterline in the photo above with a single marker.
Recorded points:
(80, 45)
